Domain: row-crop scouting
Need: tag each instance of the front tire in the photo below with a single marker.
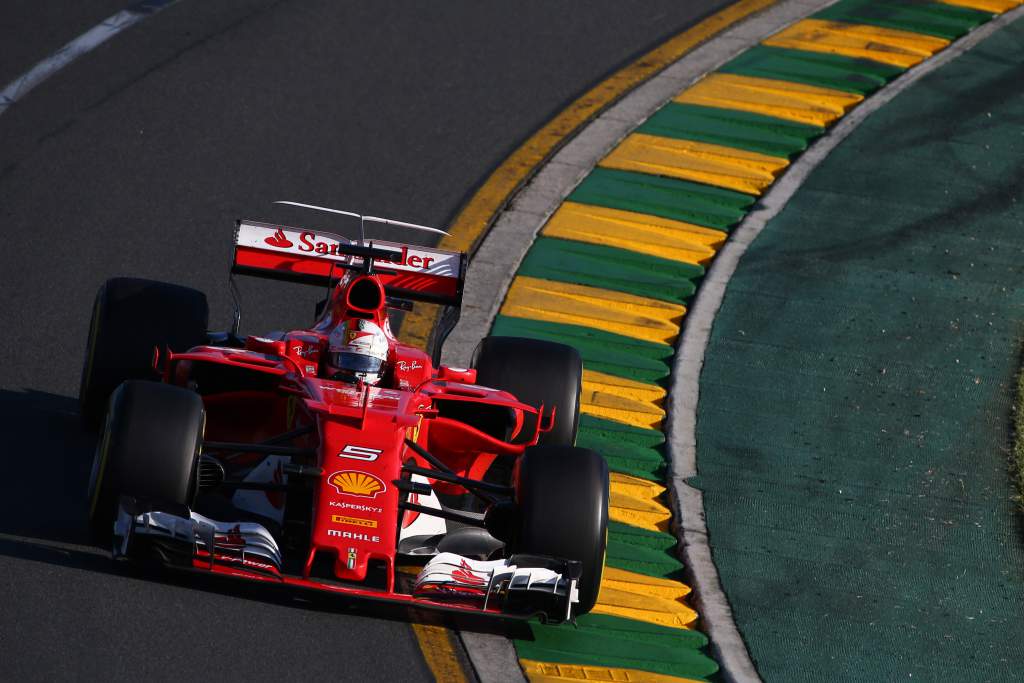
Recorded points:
(535, 372)
(130, 318)
(148, 451)
(562, 495)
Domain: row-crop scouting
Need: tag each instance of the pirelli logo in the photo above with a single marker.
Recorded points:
(354, 521)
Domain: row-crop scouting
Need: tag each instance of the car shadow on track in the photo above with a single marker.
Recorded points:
(47, 460)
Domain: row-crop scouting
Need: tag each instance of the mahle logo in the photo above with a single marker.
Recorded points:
(353, 536)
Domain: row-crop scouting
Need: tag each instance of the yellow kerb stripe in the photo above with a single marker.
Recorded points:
(643, 607)
(474, 218)
(701, 162)
(602, 309)
(644, 598)
(994, 6)
(634, 501)
(781, 99)
(622, 400)
(547, 672)
(621, 579)
(886, 45)
(641, 233)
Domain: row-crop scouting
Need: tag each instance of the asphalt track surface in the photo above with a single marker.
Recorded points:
(136, 160)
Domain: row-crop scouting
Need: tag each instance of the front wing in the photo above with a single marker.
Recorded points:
(521, 587)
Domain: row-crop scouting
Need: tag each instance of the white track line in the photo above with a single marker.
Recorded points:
(88, 41)
(710, 600)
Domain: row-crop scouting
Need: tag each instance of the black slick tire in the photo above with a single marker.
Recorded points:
(148, 451)
(535, 371)
(130, 318)
(562, 494)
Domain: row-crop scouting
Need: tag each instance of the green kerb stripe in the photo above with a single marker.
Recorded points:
(681, 200)
(611, 268)
(859, 76)
(643, 551)
(594, 644)
(731, 128)
(629, 450)
(637, 630)
(605, 352)
(930, 18)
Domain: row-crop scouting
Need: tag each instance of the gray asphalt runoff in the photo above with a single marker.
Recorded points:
(136, 160)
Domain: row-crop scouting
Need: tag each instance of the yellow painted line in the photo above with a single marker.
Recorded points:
(637, 232)
(701, 162)
(602, 309)
(435, 643)
(477, 215)
(993, 6)
(622, 400)
(548, 672)
(781, 99)
(887, 45)
(634, 501)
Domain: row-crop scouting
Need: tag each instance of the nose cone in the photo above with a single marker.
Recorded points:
(356, 508)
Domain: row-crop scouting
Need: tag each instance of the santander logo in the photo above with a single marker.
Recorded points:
(304, 242)
(278, 240)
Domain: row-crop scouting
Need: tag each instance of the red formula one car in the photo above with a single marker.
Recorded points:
(337, 458)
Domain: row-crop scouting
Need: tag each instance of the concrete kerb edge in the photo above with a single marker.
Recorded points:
(710, 600)
(513, 232)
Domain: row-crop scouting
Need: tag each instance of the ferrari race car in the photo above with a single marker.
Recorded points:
(438, 487)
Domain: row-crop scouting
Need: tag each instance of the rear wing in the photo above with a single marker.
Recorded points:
(313, 257)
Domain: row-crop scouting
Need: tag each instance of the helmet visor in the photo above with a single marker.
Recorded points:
(355, 362)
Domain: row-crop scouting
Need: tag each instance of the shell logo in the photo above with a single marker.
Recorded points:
(356, 483)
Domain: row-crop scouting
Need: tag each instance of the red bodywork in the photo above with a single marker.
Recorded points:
(277, 385)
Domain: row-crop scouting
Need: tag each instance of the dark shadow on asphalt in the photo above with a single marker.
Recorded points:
(43, 517)
(46, 459)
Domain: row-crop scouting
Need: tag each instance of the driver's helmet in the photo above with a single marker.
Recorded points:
(357, 350)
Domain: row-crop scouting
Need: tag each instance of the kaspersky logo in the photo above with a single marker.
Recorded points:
(358, 507)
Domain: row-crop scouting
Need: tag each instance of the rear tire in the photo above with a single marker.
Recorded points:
(131, 317)
(535, 372)
(148, 450)
(563, 501)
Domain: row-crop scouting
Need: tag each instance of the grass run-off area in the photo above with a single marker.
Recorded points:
(1018, 437)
